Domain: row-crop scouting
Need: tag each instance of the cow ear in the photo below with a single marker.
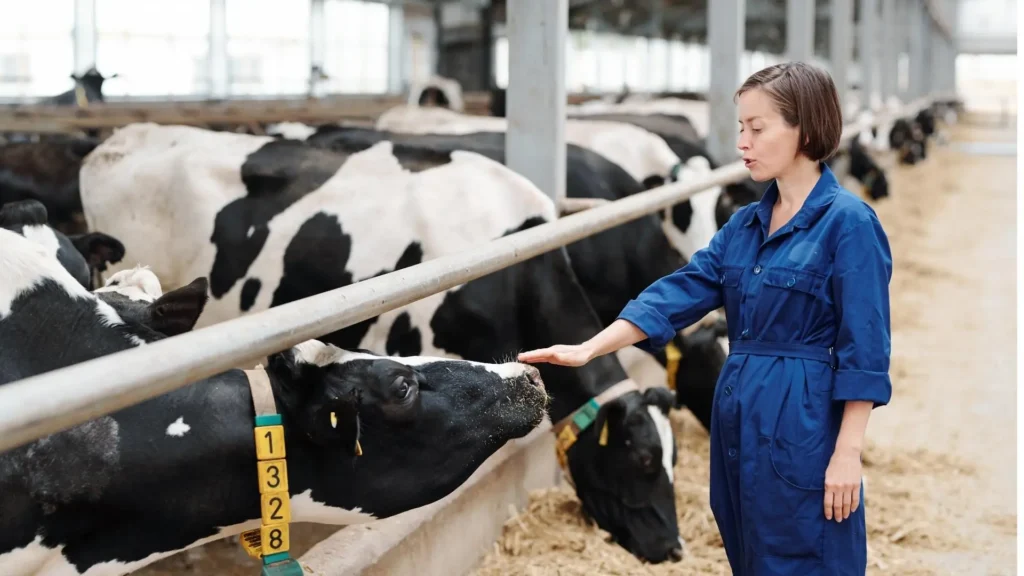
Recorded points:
(661, 397)
(177, 311)
(609, 418)
(99, 249)
(335, 425)
(14, 215)
(79, 148)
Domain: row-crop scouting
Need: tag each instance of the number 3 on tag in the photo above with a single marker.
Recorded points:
(269, 442)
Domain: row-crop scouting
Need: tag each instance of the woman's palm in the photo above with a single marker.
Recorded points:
(561, 354)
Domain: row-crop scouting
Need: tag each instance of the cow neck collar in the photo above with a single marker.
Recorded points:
(568, 429)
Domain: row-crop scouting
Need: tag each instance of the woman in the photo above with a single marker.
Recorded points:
(804, 279)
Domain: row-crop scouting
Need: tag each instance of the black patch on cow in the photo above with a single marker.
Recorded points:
(403, 338)
(250, 290)
(276, 176)
(315, 261)
(682, 215)
(412, 256)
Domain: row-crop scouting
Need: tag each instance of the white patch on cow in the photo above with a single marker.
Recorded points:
(305, 509)
(320, 354)
(110, 316)
(703, 225)
(378, 160)
(698, 112)
(667, 443)
(42, 235)
(250, 231)
(25, 264)
(27, 560)
(291, 130)
(139, 284)
(128, 187)
(640, 153)
(51, 562)
(178, 427)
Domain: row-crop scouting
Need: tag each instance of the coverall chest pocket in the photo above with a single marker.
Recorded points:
(732, 293)
(788, 297)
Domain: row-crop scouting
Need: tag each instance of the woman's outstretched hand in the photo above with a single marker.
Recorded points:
(561, 354)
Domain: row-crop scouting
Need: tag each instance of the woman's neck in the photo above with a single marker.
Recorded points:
(796, 183)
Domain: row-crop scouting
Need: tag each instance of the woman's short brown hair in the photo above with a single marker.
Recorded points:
(806, 97)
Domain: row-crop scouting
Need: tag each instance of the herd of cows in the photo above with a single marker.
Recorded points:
(157, 230)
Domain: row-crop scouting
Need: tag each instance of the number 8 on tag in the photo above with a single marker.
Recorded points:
(274, 539)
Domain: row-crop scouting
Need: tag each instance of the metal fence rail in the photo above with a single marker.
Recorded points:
(48, 403)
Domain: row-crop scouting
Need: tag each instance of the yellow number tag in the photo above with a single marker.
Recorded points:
(273, 475)
(269, 442)
(251, 542)
(274, 539)
(566, 438)
(275, 508)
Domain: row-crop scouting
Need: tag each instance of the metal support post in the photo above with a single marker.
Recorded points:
(726, 33)
(397, 48)
(218, 55)
(889, 62)
(915, 21)
(799, 30)
(85, 35)
(841, 41)
(868, 51)
(535, 139)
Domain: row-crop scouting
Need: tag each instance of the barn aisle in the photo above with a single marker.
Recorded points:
(941, 459)
(952, 226)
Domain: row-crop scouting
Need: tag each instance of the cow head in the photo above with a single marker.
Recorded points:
(864, 168)
(735, 196)
(423, 423)
(92, 82)
(625, 483)
(82, 255)
(137, 297)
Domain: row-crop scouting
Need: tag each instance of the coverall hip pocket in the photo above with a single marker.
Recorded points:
(790, 471)
(790, 506)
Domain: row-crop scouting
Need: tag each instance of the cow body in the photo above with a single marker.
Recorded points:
(178, 470)
(46, 171)
(272, 221)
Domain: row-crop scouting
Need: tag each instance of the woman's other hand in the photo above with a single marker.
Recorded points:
(842, 484)
(561, 354)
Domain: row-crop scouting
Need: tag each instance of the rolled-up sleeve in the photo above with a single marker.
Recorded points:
(861, 275)
(675, 301)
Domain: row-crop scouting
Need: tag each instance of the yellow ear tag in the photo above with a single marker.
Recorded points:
(603, 440)
(334, 420)
(359, 449)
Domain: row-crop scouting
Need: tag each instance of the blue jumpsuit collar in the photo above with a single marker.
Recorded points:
(821, 196)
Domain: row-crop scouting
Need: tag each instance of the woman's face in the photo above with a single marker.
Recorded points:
(768, 144)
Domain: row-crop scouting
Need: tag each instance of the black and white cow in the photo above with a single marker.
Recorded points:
(176, 471)
(83, 255)
(88, 88)
(613, 266)
(47, 171)
(272, 221)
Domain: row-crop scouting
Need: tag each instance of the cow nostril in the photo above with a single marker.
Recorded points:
(676, 554)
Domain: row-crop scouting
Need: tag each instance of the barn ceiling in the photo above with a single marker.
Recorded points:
(687, 20)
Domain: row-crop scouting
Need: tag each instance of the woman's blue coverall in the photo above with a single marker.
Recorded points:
(808, 317)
